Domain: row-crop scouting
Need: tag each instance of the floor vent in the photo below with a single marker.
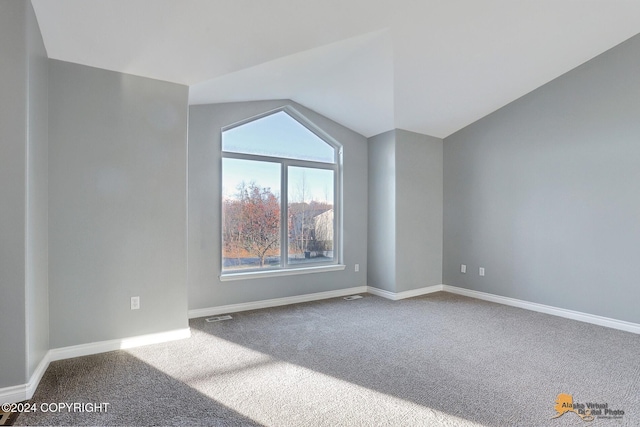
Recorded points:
(352, 297)
(218, 318)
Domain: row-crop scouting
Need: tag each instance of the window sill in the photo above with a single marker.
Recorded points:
(277, 273)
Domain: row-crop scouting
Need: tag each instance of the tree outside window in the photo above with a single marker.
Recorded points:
(279, 184)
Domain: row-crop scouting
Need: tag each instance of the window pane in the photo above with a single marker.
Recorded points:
(310, 222)
(250, 214)
(277, 135)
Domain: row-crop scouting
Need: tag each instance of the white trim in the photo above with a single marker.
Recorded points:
(255, 305)
(381, 293)
(283, 272)
(16, 393)
(22, 392)
(25, 391)
(547, 309)
(37, 375)
(541, 308)
(395, 296)
(335, 165)
(118, 344)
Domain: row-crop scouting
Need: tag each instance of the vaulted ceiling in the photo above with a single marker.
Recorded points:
(429, 66)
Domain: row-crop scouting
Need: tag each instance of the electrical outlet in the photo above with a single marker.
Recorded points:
(135, 303)
(357, 267)
(463, 268)
(481, 271)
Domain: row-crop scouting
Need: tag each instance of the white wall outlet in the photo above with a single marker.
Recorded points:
(135, 303)
(357, 267)
(481, 271)
(463, 268)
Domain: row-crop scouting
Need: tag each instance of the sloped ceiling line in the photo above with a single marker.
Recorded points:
(431, 67)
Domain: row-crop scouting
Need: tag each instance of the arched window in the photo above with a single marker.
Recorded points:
(280, 194)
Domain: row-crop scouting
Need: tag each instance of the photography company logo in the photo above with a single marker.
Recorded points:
(587, 411)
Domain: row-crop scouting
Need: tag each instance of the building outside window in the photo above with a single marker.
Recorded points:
(280, 194)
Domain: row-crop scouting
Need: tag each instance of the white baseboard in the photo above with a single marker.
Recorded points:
(541, 308)
(16, 393)
(32, 385)
(547, 309)
(117, 344)
(25, 391)
(256, 305)
(235, 308)
(22, 392)
(395, 296)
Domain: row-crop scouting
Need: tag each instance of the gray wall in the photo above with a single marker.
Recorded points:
(205, 288)
(405, 211)
(381, 249)
(117, 204)
(23, 194)
(13, 108)
(418, 210)
(37, 268)
(544, 192)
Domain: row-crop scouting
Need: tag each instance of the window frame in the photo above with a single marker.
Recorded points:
(286, 268)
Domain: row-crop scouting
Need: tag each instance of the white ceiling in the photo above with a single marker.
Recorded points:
(429, 66)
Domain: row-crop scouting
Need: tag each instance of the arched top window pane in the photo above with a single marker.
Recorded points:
(277, 135)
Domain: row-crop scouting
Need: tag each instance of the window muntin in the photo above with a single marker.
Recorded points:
(302, 178)
(277, 135)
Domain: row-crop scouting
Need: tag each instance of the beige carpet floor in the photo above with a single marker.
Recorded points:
(440, 359)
